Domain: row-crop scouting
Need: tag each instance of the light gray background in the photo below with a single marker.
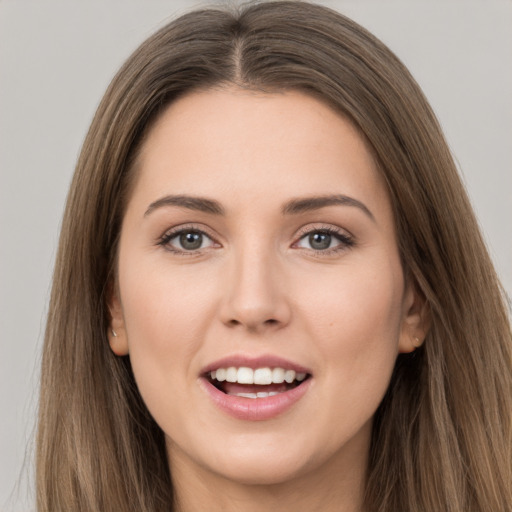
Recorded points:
(56, 59)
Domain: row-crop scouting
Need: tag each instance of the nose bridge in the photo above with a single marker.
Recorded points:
(255, 294)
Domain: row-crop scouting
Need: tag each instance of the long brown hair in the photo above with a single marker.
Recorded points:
(442, 437)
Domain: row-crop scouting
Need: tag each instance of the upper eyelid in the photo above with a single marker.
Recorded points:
(175, 230)
(321, 226)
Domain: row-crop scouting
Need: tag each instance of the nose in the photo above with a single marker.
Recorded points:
(255, 296)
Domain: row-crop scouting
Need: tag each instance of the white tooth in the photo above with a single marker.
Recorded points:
(221, 374)
(300, 376)
(273, 393)
(245, 375)
(263, 376)
(262, 394)
(213, 374)
(231, 374)
(247, 395)
(289, 376)
(277, 375)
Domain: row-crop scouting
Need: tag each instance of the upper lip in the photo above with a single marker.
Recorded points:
(264, 361)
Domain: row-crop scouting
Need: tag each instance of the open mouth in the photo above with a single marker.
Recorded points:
(255, 383)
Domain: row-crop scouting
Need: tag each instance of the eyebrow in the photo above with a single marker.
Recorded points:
(307, 204)
(200, 204)
(292, 207)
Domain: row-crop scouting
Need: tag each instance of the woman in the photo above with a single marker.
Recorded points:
(271, 291)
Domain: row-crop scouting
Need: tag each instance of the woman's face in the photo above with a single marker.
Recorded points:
(259, 245)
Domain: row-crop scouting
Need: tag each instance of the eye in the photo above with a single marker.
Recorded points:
(186, 240)
(325, 240)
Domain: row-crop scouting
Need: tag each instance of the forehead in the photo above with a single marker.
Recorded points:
(250, 146)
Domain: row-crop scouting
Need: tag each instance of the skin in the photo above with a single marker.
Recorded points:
(256, 286)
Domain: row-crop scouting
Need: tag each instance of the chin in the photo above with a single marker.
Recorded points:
(257, 459)
(261, 470)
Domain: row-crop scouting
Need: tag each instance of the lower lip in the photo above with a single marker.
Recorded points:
(255, 409)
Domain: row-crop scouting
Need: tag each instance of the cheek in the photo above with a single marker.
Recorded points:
(355, 320)
(160, 300)
(362, 304)
(165, 312)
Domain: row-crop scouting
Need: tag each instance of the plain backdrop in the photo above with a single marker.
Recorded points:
(56, 59)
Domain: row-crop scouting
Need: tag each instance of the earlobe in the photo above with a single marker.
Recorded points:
(117, 333)
(415, 320)
(118, 343)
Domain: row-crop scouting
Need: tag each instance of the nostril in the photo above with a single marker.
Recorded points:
(268, 323)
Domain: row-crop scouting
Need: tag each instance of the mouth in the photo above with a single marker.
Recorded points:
(255, 383)
(255, 389)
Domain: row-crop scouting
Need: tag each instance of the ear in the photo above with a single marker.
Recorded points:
(415, 319)
(117, 333)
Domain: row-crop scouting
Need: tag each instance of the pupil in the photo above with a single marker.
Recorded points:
(191, 240)
(320, 241)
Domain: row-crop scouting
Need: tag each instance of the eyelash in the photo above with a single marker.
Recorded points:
(346, 241)
(166, 238)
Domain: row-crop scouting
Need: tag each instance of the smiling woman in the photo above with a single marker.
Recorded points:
(280, 278)
(271, 292)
